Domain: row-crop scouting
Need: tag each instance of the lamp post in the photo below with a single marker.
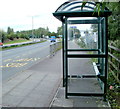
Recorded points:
(33, 24)
(32, 27)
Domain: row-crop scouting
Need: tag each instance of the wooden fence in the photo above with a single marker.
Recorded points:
(114, 62)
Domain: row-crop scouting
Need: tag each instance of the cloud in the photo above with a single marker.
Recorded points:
(18, 14)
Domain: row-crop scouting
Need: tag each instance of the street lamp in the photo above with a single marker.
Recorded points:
(33, 24)
(32, 27)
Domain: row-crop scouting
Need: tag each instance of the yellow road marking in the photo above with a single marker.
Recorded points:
(27, 59)
(14, 65)
(17, 64)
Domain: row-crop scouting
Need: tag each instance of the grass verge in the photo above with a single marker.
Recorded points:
(6, 48)
(16, 41)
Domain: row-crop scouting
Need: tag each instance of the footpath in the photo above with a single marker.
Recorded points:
(34, 87)
(41, 86)
(80, 66)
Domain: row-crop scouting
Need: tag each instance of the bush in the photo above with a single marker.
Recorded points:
(3, 37)
(27, 38)
(113, 84)
(113, 93)
(10, 36)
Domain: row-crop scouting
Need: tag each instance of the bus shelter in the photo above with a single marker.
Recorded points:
(72, 13)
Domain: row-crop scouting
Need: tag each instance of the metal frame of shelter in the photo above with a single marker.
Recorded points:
(72, 9)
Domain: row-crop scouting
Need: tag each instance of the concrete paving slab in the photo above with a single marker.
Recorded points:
(77, 101)
(28, 102)
(11, 101)
(13, 82)
(80, 66)
(36, 86)
(84, 85)
(63, 102)
(20, 92)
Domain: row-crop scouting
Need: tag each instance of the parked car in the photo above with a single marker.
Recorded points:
(53, 39)
(1, 44)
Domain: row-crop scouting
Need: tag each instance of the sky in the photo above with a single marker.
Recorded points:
(18, 14)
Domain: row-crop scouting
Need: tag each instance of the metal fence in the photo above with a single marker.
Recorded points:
(114, 62)
(54, 47)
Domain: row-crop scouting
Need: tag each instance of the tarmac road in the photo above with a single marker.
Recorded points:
(19, 59)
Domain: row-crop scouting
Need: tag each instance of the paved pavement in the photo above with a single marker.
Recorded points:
(34, 87)
(78, 101)
(80, 85)
(41, 86)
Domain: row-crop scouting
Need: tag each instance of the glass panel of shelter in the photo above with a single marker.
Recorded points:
(84, 37)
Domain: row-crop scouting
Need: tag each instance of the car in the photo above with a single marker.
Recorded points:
(53, 39)
(1, 44)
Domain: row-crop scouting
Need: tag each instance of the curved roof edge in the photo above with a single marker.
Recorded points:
(74, 8)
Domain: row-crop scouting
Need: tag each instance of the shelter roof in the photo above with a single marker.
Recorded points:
(74, 8)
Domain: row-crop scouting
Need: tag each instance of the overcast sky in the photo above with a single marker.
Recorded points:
(17, 14)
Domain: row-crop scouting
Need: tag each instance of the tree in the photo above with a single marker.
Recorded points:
(114, 20)
(2, 36)
(53, 34)
(10, 33)
(10, 30)
(10, 36)
(59, 30)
